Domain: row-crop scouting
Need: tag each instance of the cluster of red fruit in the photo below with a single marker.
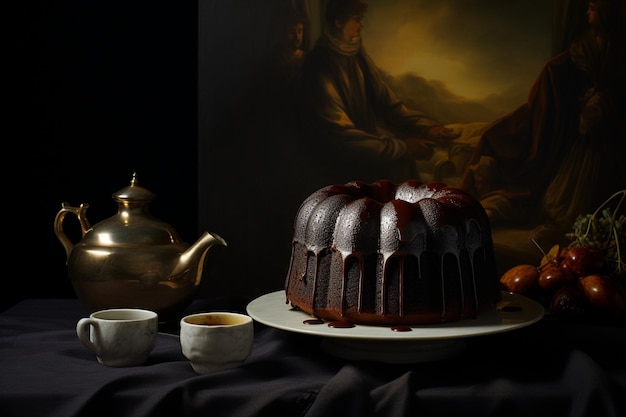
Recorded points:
(571, 282)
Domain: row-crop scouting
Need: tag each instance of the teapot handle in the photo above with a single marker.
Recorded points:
(80, 213)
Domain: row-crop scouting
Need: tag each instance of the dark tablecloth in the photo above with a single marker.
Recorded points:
(549, 368)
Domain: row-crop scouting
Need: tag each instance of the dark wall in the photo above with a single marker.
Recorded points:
(246, 193)
(100, 89)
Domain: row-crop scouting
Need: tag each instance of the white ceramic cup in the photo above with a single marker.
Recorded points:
(119, 336)
(216, 341)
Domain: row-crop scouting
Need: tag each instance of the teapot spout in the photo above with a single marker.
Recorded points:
(194, 256)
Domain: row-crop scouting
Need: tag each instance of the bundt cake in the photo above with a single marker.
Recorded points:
(388, 254)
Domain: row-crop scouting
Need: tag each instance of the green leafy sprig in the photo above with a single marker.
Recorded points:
(604, 229)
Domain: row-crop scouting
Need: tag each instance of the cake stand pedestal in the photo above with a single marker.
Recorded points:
(396, 352)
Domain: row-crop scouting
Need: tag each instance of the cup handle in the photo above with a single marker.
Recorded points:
(83, 327)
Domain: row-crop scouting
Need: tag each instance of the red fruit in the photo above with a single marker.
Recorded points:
(569, 301)
(584, 260)
(604, 294)
(521, 279)
(553, 276)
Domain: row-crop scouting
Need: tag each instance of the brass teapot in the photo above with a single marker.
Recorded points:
(133, 259)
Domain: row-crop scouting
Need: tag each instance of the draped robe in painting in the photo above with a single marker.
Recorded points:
(553, 162)
(351, 122)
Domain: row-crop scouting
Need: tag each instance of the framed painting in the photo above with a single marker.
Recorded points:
(501, 79)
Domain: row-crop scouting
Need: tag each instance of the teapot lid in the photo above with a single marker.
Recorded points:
(134, 192)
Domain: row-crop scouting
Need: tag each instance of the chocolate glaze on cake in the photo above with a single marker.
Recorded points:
(388, 254)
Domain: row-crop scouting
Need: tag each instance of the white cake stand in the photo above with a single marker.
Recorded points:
(423, 343)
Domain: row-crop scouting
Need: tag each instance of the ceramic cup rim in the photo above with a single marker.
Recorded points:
(241, 319)
(124, 314)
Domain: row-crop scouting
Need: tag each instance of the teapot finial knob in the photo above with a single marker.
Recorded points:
(133, 193)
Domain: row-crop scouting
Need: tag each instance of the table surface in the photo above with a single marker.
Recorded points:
(550, 368)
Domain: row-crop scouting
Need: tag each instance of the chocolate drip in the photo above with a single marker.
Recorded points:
(340, 324)
(361, 279)
(401, 289)
(344, 282)
(401, 329)
(317, 268)
(304, 273)
(458, 264)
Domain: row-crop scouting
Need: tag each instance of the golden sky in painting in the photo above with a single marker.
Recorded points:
(476, 48)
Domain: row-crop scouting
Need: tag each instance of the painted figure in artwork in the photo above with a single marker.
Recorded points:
(563, 152)
(352, 125)
(286, 64)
